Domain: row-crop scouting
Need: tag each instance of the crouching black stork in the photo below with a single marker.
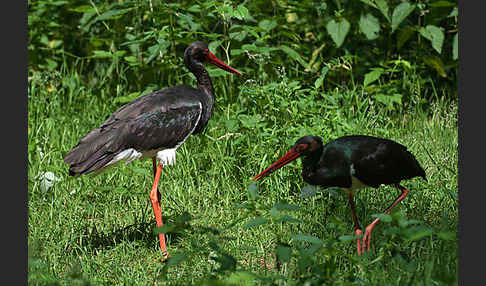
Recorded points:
(151, 126)
(352, 162)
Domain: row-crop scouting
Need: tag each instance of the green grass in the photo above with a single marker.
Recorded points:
(100, 230)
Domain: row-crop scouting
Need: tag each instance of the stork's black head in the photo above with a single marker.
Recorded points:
(305, 146)
(198, 53)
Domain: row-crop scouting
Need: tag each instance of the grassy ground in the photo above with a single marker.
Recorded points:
(100, 230)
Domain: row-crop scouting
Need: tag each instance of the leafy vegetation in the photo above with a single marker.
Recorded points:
(330, 68)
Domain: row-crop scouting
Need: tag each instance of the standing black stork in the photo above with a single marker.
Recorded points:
(152, 126)
(352, 162)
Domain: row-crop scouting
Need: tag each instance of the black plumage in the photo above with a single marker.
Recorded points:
(154, 125)
(352, 162)
(160, 120)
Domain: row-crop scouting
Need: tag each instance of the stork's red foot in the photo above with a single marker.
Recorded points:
(367, 234)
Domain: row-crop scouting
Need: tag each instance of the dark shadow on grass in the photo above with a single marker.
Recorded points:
(137, 232)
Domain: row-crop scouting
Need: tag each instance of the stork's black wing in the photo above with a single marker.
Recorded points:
(381, 161)
(156, 121)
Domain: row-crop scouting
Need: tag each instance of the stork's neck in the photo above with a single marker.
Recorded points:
(206, 86)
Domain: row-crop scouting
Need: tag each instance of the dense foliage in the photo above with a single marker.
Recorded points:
(382, 44)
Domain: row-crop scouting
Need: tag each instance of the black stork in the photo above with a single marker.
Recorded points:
(152, 126)
(352, 162)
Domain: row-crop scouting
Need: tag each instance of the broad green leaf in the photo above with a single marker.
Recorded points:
(383, 217)
(435, 35)
(238, 36)
(442, 3)
(284, 253)
(372, 76)
(338, 30)
(83, 9)
(382, 5)
(453, 13)
(370, 26)
(213, 45)
(306, 238)
(253, 191)
(369, 2)
(176, 259)
(241, 13)
(308, 191)
(400, 13)
(242, 278)
(289, 219)
(256, 222)
(403, 35)
(102, 54)
(455, 47)
(286, 207)
(446, 235)
(320, 79)
(113, 14)
(436, 64)
(267, 24)
(294, 55)
(349, 237)
(166, 228)
(418, 232)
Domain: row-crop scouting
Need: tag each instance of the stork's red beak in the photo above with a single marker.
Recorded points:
(220, 64)
(284, 160)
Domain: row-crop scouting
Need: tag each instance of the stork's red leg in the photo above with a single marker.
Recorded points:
(369, 228)
(357, 227)
(155, 199)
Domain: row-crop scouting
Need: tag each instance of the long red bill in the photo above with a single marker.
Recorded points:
(220, 64)
(284, 160)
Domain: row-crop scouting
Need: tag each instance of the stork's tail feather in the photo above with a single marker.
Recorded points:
(93, 154)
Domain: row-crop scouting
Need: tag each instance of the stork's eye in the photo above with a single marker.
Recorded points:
(302, 147)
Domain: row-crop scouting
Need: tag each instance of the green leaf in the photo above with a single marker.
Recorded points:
(253, 191)
(166, 228)
(113, 14)
(267, 24)
(255, 222)
(284, 253)
(320, 79)
(289, 219)
(308, 191)
(382, 5)
(294, 55)
(369, 2)
(403, 35)
(370, 26)
(83, 9)
(436, 64)
(446, 235)
(418, 232)
(435, 35)
(241, 12)
(383, 217)
(400, 13)
(127, 98)
(213, 45)
(242, 278)
(455, 47)
(338, 30)
(349, 237)
(286, 207)
(372, 76)
(442, 3)
(306, 238)
(102, 54)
